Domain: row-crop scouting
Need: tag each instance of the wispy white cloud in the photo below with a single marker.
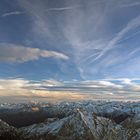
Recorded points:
(40, 21)
(12, 13)
(51, 82)
(130, 26)
(13, 83)
(20, 54)
(135, 51)
(130, 83)
(130, 4)
(63, 8)
(14, 87)
(129, 36)
(122, 79)
(110, 84)
(92, 21)
(87, 27)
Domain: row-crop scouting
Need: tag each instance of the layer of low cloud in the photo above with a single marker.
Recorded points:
(19, 54)
(125, 89)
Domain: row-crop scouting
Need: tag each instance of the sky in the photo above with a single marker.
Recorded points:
(72, 48)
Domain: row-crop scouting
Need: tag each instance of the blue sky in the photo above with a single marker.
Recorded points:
(75, 40)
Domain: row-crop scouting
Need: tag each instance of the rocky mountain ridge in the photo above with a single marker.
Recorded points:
(81, 121)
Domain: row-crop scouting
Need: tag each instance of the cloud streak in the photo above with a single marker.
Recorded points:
(12, 13)
(19, 54)
(134, 23)
(63, 8)
(130, 4)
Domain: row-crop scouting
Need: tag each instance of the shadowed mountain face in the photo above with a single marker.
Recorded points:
(24, 118)
(20, 119)
(8, 132)
(71, 121)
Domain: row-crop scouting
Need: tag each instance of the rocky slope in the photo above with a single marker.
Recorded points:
(8, 132)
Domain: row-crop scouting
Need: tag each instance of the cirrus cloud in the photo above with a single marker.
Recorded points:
(12, 13)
